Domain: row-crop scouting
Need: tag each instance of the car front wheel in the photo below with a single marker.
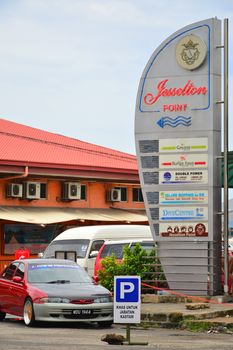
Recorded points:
(28, 313)
(105, 324)
(2, 316)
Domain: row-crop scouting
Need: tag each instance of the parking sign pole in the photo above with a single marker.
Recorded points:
(127, 303)
(128, 339)
(128, 333)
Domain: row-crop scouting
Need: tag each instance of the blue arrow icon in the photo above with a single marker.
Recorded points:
(160, 122)
(174, 122)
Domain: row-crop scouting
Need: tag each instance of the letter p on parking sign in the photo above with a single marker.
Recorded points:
(127, 299)
(125, 289)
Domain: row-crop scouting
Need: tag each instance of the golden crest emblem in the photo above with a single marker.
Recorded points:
(191, 52)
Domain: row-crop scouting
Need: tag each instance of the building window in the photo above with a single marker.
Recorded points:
(43, 190)
(137, 195)
(83, 192)
(124, 193)
(35, 238)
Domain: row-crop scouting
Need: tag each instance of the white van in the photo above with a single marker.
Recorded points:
(83, 243)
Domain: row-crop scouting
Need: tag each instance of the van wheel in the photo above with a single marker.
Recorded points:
(105, 324)
(2, 315)
(28, 313)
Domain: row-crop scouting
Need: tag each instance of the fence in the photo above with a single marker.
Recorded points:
(193, 271)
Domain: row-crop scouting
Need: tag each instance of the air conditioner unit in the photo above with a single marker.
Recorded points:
(32, 190)
(114, 195)
(71, 191)
(15, 190)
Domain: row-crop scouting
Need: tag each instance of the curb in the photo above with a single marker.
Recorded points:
(171, 312)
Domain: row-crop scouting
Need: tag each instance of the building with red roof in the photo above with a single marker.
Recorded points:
(50, 182)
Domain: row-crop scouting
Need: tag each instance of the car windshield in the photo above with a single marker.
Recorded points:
(57, 273)
(78, 245)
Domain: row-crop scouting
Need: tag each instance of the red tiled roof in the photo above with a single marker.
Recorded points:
(28, 145)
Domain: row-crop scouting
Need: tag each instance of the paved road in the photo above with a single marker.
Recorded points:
(15, 336)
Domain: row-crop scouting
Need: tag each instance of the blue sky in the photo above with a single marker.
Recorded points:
(72, 67)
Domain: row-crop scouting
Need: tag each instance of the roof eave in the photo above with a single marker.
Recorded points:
(86, 172)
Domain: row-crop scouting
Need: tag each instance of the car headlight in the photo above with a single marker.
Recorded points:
(103, 299)
(54, 300)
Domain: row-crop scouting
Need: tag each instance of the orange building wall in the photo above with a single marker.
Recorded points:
(95, 196)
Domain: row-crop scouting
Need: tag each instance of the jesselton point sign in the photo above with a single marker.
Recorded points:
(178, 128)
(163, 89)
(178, 145)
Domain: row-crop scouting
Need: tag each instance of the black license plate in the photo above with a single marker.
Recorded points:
(82, 312)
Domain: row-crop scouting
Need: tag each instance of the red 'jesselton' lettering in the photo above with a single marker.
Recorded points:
(163, 91)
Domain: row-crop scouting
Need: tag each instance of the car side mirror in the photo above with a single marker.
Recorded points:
(40, 255)
(93, 254)
(17, 279)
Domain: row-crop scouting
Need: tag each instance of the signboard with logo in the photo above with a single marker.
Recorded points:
(183, 161)
(187, 229)
(183, 213)
(183, 177)
(198, 144)
(183, 197)
(178, 136)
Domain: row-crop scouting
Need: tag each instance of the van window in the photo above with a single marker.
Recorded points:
(116, 249)
(78, 245)
(96, 245)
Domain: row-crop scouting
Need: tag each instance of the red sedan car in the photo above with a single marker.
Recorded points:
(53, 290)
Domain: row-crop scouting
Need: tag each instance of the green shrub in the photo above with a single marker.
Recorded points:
(110, 269)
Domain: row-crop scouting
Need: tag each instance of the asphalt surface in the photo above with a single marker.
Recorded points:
(52, 336)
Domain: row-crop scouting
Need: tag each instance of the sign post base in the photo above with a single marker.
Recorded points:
(128, 340)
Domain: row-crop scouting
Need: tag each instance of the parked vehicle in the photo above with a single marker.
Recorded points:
(230, 246)
(116, 248)
(53, 290)
(82, 244)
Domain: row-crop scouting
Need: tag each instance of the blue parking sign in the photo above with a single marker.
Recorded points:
(127, 299)
(127, 289)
